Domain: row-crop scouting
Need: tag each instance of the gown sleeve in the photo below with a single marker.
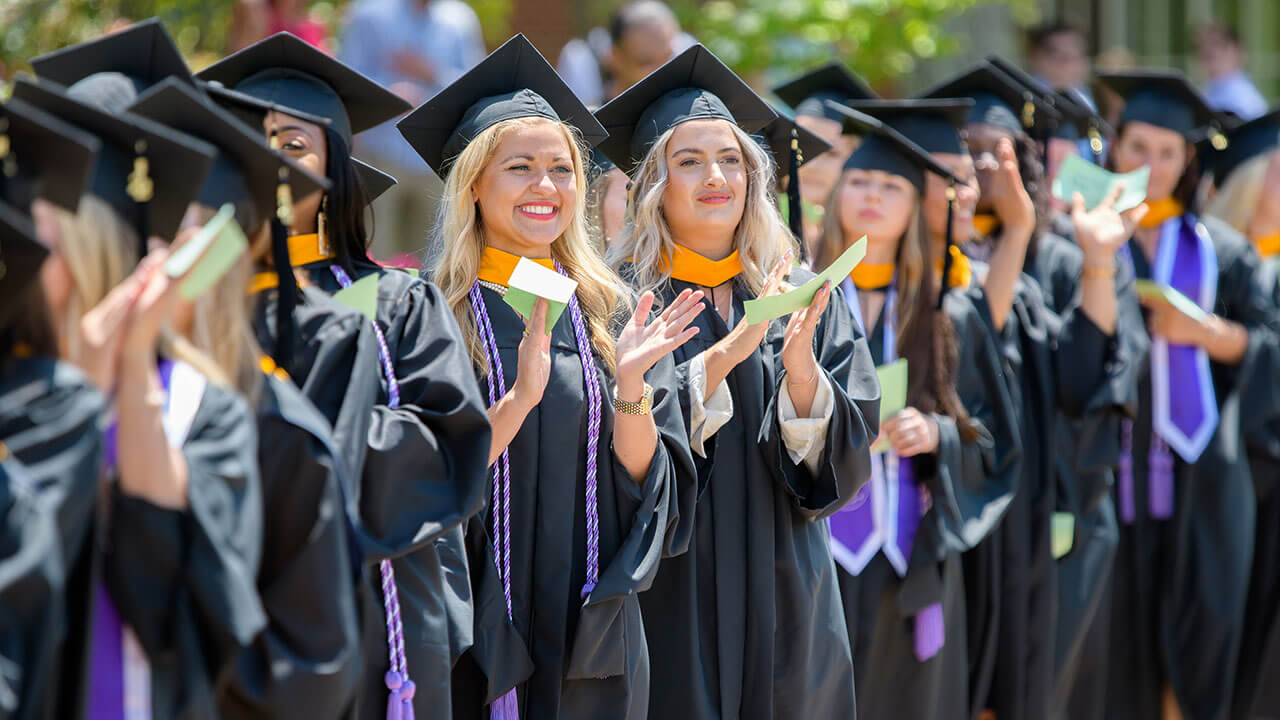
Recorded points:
(306, 662)
(184, 580)
(845, 359)
(426, 461)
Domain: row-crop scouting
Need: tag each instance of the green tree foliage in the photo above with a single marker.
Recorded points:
(753, 36)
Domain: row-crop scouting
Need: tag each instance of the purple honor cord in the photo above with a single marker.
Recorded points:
(401, 688)
(507, 706)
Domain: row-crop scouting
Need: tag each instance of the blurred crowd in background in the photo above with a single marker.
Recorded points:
(417, 47)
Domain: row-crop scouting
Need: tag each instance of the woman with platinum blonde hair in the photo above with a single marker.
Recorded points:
(782, 412)
(588, 437)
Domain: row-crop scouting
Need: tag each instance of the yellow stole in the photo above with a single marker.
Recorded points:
(1160, 210)
(985, 224)
(961, 274)
(1268, 245)
(306, 249)
(867, 276)
(688, 266)
(263, 281)
(497, 265)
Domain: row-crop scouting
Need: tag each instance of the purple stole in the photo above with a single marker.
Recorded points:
(119, 673)
(885, 513)
(1184, 408)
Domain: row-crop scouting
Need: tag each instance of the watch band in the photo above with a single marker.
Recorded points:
(629, 408)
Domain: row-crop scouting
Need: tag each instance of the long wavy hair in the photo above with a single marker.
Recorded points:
(1236, 202)
(99, 249)
(926, 337)
(602, 295)
(761, 238)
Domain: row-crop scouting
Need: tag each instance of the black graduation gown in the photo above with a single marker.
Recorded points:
(182, 580)
(1086, 451)
(1179, 585)
(747, 616)
(423, 474)
(1064, 367)
(50, 430)
(589, 658)
(971, 484)
(306, 662)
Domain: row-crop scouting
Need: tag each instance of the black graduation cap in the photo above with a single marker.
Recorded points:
(20, 257)
(252, 110)
(149, 173)
(375, 181)
(1245, 142)
(999, 100)
(1079, 119)
(514, 81)
(791, 146)
(284, 69)
(884, 148)
(933, 124)
(42, 156)
(143, 52)
(246, 171)
(693, 85)
(807, 94)
(1167, 99)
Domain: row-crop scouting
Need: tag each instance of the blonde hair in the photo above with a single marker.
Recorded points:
(761, 237)
(600, 292)
(99, 250)
(1237, 200)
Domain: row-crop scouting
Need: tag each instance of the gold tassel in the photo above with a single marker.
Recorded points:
(322, 226)
(140, 187)
(1095, 140)
(1028, 113)
(284, 199)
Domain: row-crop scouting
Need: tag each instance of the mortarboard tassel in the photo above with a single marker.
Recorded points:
(141, 188)
(1095, 143)
(287, 290)
(795, 210)
(946, 244)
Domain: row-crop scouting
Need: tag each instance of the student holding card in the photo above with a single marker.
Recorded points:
(427, 421)
(947, 474)
(162, 600)
(1056, 307)
(587, 433)
(1184, 492)
(747, 619)
(306, 664)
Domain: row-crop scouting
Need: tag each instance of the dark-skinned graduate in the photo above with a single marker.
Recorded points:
(951, 462)
(423, 471)
(162, 598)
(746, 612)
(307, 660)
(1184, 493)
(587, 433)
(49, 412)
(1070, 362)
(1246, 183)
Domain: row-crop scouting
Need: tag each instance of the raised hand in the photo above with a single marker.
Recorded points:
(797, 351)
(1102, 231)
(642, 344)
(103, 329)
(534, 358)
(155, 306)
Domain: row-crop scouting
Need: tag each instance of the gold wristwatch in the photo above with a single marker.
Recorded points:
(629, 408)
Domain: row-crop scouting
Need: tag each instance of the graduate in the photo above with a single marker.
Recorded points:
(161, 599)
(1246, 176)
(1184, 492)
(50, 415)
(807, 96)
(747, 619)
(304, 663)
(1003, 129)
(427, 420)
(948, 474)
(588, 436)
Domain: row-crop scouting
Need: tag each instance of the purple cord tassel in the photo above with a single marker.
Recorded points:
(506, 707)
(1124, 490)
(930, 632)
(395, 705)
(1160, 480)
